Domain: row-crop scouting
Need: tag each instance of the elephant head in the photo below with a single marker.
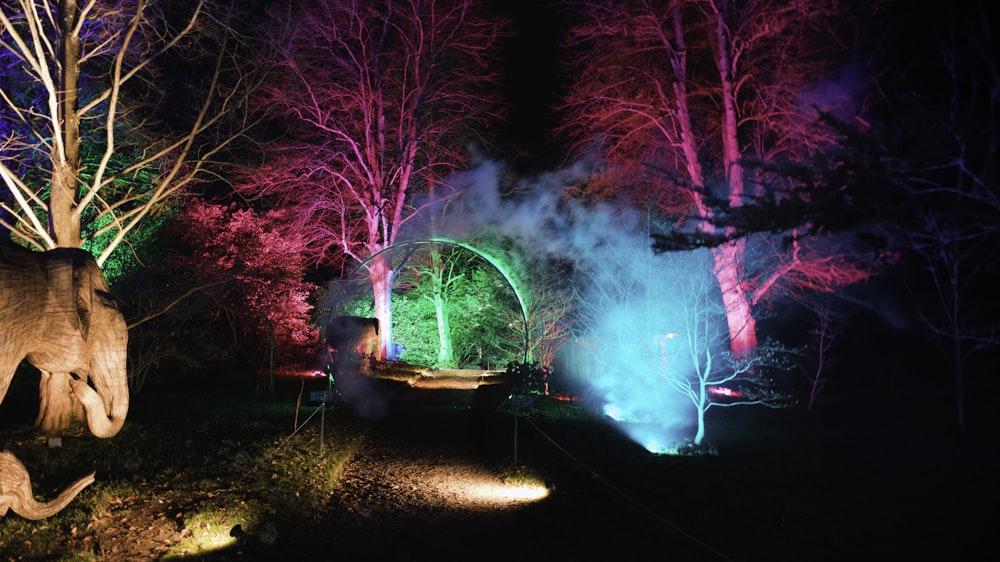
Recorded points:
(56, 310)
(16, 494)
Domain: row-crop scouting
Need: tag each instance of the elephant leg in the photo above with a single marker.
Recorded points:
(58, 406)
(8, 366)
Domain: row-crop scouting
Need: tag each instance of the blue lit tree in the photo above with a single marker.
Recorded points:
(696, 359)
(656, 330)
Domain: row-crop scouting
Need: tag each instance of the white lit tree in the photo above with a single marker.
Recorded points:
(695, 356)
(108, 111)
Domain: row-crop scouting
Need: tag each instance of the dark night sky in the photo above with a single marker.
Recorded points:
(531, 78)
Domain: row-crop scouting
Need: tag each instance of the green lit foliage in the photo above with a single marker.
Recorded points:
(486, 328)
(485, 320)
(140, 274)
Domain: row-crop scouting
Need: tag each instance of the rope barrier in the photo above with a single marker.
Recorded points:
(628, 497)
(301, 425)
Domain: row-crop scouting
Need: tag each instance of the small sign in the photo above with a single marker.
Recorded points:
(320, 396)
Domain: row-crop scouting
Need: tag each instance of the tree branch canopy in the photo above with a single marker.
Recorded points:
(91, 140)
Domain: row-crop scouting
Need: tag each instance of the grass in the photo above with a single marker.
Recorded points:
(774, 485)
(217, 460)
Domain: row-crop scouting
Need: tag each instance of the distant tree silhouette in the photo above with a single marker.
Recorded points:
(939, 117)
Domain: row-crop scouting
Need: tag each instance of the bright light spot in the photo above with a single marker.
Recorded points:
(204, 538)
(614, 412)
(725, 391)
(210, 530)
(661, 434)
(215, 539)
(478, 488)
(506, 493)
(655, 446)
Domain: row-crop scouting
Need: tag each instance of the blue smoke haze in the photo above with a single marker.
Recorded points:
(633, 300)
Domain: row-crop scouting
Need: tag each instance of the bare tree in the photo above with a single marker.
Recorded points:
(377, 99)
(550, 311)
(680, 97)
(827, 324)
(657, 329)
(696, 360)
(80, 96)
(940, 110)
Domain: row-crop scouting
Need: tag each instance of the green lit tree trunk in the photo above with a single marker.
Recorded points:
(446, 352)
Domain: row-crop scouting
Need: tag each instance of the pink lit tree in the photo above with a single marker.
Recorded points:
(681, 98)
(255, 273)
(374, 102)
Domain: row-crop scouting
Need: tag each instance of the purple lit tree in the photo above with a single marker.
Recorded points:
(81, 88)
(681, 98)
(375, 101)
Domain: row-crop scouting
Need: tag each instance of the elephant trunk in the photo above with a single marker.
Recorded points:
(107, 402)
(102, 420)
(16, 494)
(26, 506)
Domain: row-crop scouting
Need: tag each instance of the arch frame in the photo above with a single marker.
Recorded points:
(475, 251)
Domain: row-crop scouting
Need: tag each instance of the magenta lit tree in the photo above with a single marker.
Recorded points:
(255, 272)
(376, 101)
(680, 96)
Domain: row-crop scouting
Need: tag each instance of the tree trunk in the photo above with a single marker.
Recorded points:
(380, 275)
(729, 264)
(728, 257)
(729, 272)
(699, 435)
(446, 353)
(64, 220)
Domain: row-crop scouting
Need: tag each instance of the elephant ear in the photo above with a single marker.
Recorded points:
(83, 289)
(71, 282)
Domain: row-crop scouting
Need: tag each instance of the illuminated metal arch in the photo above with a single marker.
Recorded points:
(489, 259)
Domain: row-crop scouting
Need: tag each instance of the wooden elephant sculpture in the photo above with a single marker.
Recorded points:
(16, 494)
(56, 310)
